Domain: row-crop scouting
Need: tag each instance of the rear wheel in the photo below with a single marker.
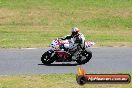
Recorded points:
(84, 57)
(46, 58)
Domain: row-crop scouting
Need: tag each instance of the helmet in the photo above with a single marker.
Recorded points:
(75, 31)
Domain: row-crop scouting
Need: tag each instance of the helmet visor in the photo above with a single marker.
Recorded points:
(74, 33)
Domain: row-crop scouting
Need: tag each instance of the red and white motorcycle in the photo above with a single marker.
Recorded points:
(59, 53)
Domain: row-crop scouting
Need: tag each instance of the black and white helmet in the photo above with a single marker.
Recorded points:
(75, 31)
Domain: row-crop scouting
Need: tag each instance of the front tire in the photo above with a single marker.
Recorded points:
(87, 54)
(46, 58)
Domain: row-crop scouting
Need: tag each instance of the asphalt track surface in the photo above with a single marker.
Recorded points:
(27, 61)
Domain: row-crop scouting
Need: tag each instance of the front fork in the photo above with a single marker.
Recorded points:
(50, 52)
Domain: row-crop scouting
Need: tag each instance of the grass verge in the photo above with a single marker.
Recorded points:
(51, 81)
(34, 23)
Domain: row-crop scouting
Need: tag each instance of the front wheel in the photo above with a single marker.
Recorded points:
(84, 57)
(46, 58)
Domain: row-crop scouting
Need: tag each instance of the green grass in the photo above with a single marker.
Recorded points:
(34, 23)
(51, 81)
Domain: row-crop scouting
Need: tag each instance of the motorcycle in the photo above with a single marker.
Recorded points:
(59, 53)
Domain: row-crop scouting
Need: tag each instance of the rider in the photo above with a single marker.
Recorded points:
(77, 39)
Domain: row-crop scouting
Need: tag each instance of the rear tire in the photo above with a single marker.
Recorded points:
(85, 53)
(46, 58)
